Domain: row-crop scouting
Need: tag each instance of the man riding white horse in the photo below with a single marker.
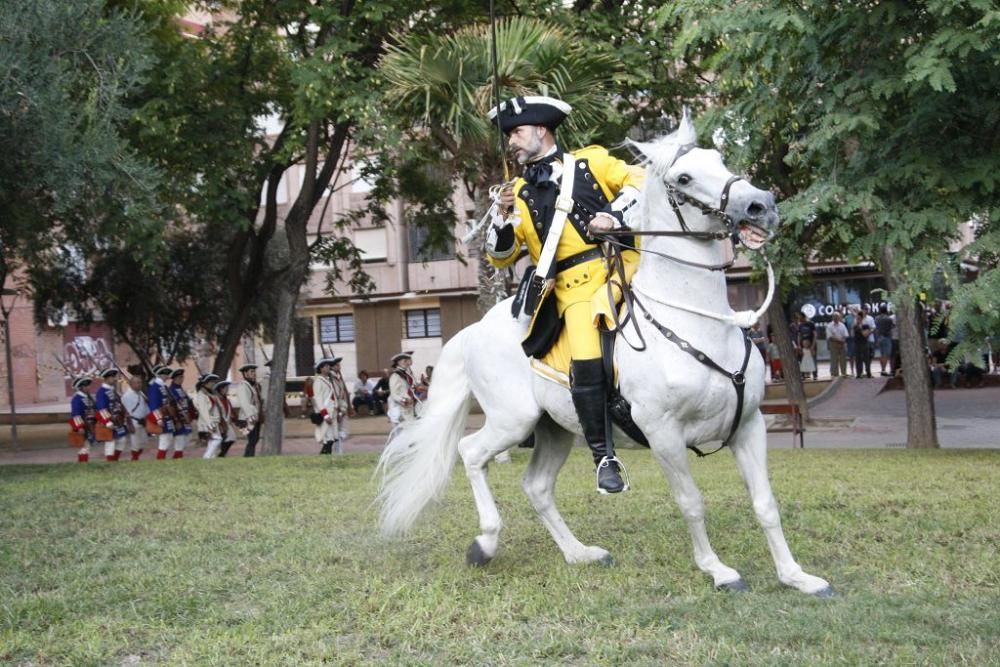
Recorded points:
(553, 209)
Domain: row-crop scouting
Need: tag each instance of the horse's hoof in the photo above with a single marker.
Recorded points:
(475, 556)
(607, 560)
(738, 586)
(825, 593)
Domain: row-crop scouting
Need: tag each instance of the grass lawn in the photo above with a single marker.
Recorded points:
(277, 562)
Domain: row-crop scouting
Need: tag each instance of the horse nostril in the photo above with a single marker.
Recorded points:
(756, 209)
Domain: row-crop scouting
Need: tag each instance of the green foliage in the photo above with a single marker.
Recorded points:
(877, 122)
(276, 562)
(69, 179)
(445, 81)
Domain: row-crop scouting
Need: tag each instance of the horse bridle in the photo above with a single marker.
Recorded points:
(678, 198)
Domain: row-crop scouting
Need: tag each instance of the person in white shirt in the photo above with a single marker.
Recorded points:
(137, 409)
(209, 414)
(836, 340)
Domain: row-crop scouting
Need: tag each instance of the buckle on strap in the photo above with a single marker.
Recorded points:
(739, 378)
(565, 204)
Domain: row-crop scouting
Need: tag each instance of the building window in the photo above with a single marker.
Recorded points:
(424, 248)
(336, 329)
(425, 323)
(371, 242)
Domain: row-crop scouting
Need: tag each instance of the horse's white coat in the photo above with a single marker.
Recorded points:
(676, 400)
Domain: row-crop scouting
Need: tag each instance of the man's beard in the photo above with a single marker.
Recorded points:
(529, 153)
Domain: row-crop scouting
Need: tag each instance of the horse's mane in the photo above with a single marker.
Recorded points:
(656, 157)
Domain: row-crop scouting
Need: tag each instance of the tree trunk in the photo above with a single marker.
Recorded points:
(921, 422)
(789, 362)
(235, 329)
(273, 431)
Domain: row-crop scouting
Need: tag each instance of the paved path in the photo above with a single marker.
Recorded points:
(851, 414)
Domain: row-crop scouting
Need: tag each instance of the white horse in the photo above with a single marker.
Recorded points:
(677, 399)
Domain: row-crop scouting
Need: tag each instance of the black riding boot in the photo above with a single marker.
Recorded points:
(590, 400)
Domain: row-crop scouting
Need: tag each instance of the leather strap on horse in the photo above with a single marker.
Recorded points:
(738, 378)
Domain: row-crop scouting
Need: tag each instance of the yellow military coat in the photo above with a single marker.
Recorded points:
(598, 179)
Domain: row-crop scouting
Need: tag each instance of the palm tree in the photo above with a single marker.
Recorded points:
(442, 86)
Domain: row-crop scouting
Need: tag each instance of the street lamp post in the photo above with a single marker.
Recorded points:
(10, 368)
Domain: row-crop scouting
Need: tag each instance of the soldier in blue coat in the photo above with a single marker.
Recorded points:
(186, 414)
(111, 414)
(162, 410)
(83, 417)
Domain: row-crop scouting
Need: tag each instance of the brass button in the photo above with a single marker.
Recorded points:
(582, 164)
(595, 186)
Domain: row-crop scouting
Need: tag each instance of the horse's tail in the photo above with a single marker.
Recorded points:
(417, 461)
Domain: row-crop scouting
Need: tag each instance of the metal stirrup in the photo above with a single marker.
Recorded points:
(606, 462)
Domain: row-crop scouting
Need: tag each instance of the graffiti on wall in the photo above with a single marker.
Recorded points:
(86, 355)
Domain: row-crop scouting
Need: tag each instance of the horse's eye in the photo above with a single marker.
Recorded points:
(683, 179)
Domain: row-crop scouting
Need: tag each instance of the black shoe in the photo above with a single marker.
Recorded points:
(327, 448)
(609, 478)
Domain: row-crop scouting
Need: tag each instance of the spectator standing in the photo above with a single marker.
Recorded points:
(137, 407)
(862, 349)
(774, 356)
(868, 321)
(757, 337)
(850, 317)
(884, 324)
(836, 340)
(805, 334)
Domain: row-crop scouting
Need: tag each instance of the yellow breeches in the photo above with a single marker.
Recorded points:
(584, 338)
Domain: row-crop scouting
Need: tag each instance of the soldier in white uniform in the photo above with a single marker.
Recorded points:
(209, 414)
(251, 407)
(402, 399)
(227, 426)
(327, 409)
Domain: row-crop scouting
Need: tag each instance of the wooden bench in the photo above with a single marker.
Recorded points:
(797, 428)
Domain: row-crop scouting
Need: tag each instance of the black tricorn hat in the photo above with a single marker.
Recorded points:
(532, 110)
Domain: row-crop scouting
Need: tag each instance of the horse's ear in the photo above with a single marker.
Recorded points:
(686, 133)
(640, 149)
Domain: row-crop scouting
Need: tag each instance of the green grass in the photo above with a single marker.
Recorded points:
(277, 562)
